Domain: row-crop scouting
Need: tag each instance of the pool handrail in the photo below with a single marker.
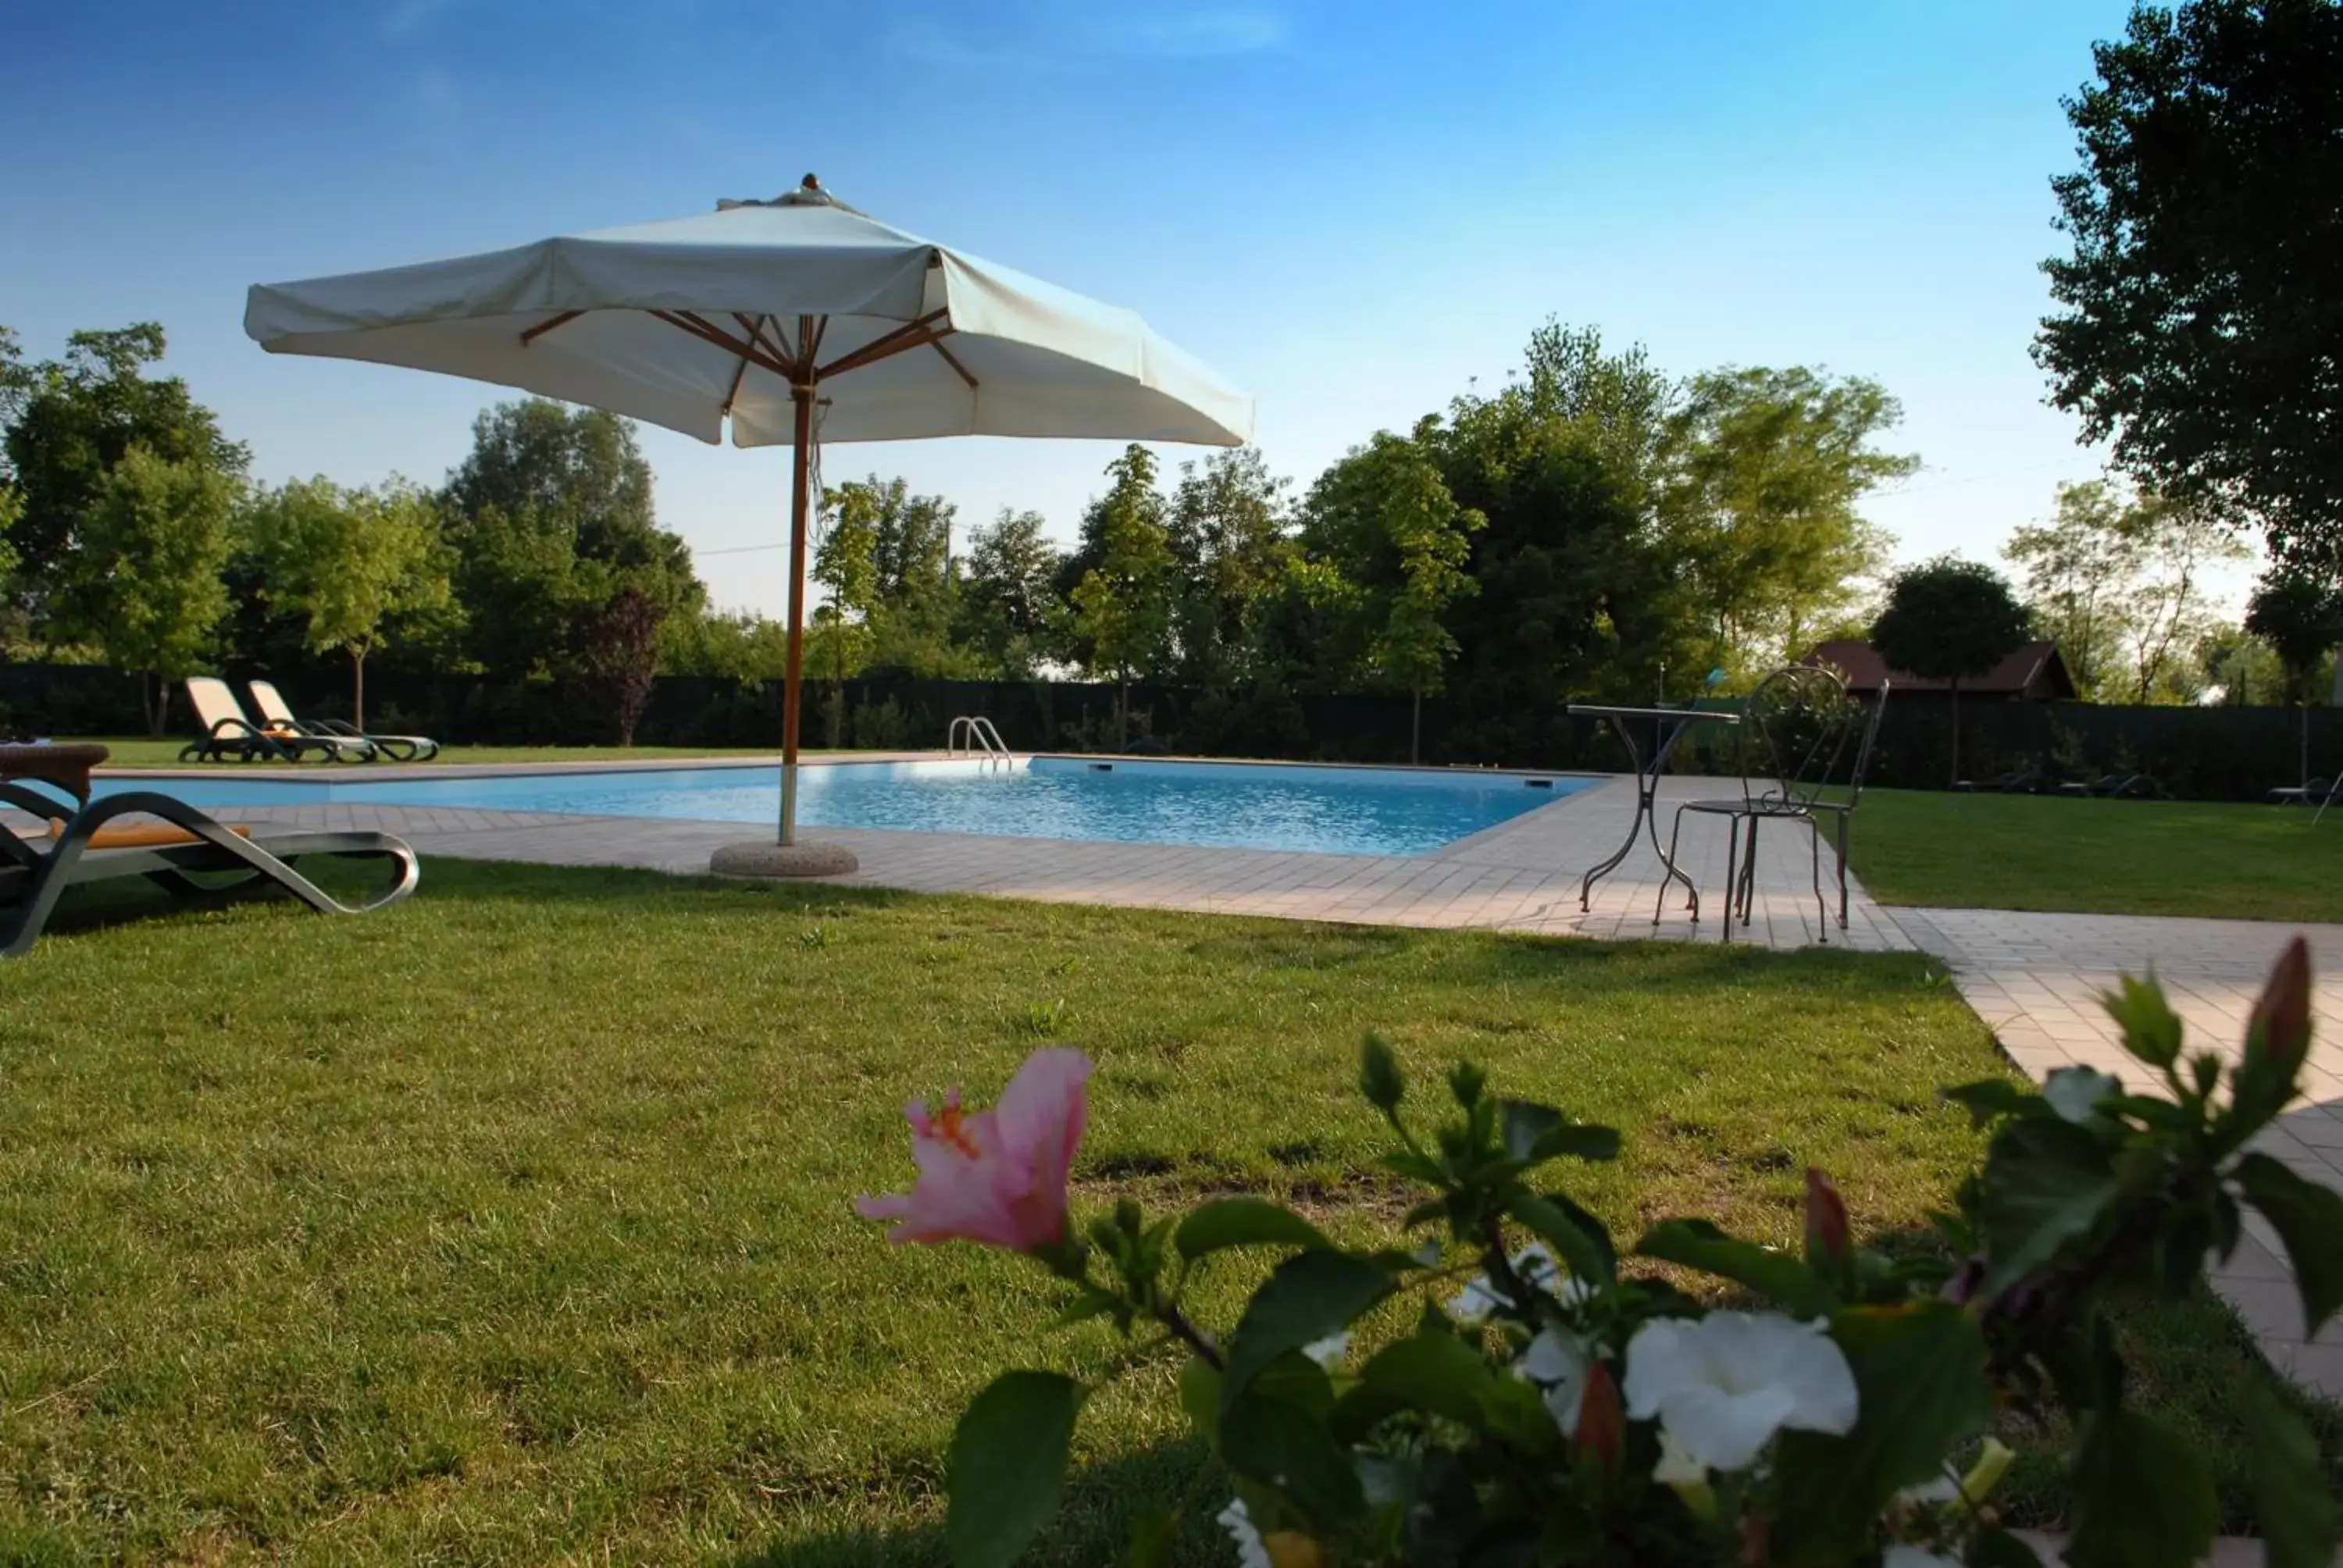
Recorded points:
(973, 735)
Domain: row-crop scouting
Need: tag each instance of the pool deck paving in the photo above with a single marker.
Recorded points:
(2034, 979)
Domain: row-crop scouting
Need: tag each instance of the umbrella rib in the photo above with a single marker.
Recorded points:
(542, 328)
(937, 344)
(739, 371)
(685, 321)
(910, 334)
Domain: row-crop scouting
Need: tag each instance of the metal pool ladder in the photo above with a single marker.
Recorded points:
(974, 736)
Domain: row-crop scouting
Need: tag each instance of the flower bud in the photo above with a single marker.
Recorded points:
(1826, 1229)
(2279, 1030)
(1602, 1425)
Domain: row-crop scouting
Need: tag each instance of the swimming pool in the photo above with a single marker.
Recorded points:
(1228, 805)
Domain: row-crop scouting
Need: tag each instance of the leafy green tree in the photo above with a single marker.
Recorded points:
(1576, 593)
(2298, 611)
(154, 542)
(1950, 620)
(12, 506)
(1766, 470)
(2194, 327)
(551, 514)
(1383, 518)
(1123, 604)
(1009, 607)
(2079, 569)
(846, 567)
(71, 422)
(907, 619)
(347, 562)
(1230, 530)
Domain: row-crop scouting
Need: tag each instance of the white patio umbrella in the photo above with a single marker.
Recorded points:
(790, 319)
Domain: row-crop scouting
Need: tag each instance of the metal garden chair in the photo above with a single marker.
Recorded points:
(1794, 734)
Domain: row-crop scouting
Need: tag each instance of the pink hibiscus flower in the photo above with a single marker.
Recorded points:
(995, 1176)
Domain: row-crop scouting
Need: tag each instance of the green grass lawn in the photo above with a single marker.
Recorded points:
(2101, 856)
(513, 1223)
(139, 751)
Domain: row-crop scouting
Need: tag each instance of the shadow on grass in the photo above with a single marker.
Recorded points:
(1104, 1500)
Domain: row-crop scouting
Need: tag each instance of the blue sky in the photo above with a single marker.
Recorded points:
(1350, 209)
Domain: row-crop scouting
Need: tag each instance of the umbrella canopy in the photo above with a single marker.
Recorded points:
(694, 321)
(754, 316)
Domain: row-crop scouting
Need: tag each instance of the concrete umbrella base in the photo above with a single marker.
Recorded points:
(766, 860)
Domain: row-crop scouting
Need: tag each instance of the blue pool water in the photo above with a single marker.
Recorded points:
(1326, 810)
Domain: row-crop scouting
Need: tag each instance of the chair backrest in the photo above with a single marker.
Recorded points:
(271, 703)
(213, 702)
(1870, 744)
(1794, 729)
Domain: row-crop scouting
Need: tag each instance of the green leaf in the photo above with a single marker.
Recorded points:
(1779, 1277)
(1199, 1396)
(1151, 1538)
(2045, 1182)
(1441, 1375)
(2309, 1218)
(2076, 1093)
(1310, 1295)
(1606, 1252)
(1996, 1097)
(1553, 1223)
(1921, 1386)
(1993, 1547)
(2142, 1498)
(1246, 1223)
(1008, 1465)
(1535, 1133)
(1283, 1447)
(1380, 1079)
(1089, 1302)
(2151, 1029)
(1413, 1166)
(2291, 1496)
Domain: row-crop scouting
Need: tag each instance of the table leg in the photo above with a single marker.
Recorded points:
(1645, 787)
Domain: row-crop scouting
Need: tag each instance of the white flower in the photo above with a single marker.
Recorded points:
(1233, 1519)
(1903, 1556)
(1723, 1385)
(1677, 1467)
(1538, 1270)
(1556, 1362)
(1329, 1352)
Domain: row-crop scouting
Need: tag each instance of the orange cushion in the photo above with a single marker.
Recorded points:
(162, 835)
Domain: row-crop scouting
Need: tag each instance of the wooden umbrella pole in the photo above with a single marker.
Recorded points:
(800, 452)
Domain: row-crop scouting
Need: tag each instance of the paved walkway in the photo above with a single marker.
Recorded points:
(2035, 980)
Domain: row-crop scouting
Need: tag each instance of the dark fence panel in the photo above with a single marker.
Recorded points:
(2200, 753)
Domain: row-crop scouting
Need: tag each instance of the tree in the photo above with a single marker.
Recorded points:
(347, 561)
(2200, 318)
(2298, 611)
(1009, 606)
(549, 514)
(70, 424)
(622, 651)
(155, 541)
(2078, 572)
(2117, 579)
(1767, 470)
(1230, 528)
(1122, 605)
(846, 567)
(1576, 592)
(1949, 620)
(1385, 521)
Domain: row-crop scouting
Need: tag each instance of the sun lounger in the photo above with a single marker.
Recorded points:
(278, 714)
(229, 732)
(196, 859)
